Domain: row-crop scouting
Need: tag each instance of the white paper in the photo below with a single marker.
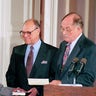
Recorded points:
(78, 85)
(19, 93)
(36, 81)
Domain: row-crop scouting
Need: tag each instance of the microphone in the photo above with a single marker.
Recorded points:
(72, 65)
(78, 68)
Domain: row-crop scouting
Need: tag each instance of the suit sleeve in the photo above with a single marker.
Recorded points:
(10, 74)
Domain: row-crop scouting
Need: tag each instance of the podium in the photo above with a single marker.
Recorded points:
(52, 90)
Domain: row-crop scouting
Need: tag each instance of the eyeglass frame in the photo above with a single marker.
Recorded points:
(22, 33)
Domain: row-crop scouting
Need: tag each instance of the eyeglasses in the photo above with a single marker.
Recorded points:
(67, 29)
(22, 33)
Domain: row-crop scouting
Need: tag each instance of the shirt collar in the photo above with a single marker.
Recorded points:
(36, 46)
(75, 41)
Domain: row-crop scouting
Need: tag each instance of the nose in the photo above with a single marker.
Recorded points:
(64, 32)
(25, 35)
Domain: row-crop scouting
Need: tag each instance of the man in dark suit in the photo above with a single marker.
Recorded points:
(83, 69)
(42, 67)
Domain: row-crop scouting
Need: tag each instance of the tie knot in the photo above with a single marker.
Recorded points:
(31, 47)
(67, 49)
(68, 44)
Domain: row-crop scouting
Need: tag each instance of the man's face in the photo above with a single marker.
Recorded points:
(68, 29)
(30, 33)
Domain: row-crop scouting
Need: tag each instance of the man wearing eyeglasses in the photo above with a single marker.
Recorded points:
(82, 50)
(16, 75)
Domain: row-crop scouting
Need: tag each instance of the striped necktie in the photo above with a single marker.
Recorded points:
(29, 61)
(66, 54)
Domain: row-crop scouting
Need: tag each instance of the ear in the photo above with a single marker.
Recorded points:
(79, 28)
(38, 30)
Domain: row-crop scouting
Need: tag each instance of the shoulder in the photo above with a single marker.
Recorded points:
(89, 47)
(20, 48)
(85, 42)
(89, 44)
(48, 46)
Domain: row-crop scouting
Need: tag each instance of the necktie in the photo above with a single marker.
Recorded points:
(66, 54)
(29, 61)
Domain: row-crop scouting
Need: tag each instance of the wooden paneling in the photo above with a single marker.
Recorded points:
(50, 90)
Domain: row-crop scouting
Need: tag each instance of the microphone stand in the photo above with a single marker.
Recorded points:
(74, 80)
(79, 68)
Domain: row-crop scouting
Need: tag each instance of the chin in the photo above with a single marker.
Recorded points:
(27, 42)
(66, 40)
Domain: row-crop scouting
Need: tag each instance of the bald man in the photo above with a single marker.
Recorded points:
(42, 66)
(82, 50)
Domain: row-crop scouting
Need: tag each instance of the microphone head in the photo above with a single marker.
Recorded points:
(83, 60)
(75, 60)
(73, 64)
(78, 68)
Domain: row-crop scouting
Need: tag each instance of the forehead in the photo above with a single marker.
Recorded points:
(28, 25)
(67, 21)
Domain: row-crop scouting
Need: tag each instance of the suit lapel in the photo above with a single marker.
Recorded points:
(76, 52)
(39, 58)
(60, 59)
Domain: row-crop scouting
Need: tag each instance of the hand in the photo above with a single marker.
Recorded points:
(18, 89)
(33, 92)
(55, 82)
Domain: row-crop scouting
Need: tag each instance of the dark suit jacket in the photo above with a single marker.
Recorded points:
(16, 75)
(84, 48)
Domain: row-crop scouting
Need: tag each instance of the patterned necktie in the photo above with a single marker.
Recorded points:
(29, 61)
(66, 54)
